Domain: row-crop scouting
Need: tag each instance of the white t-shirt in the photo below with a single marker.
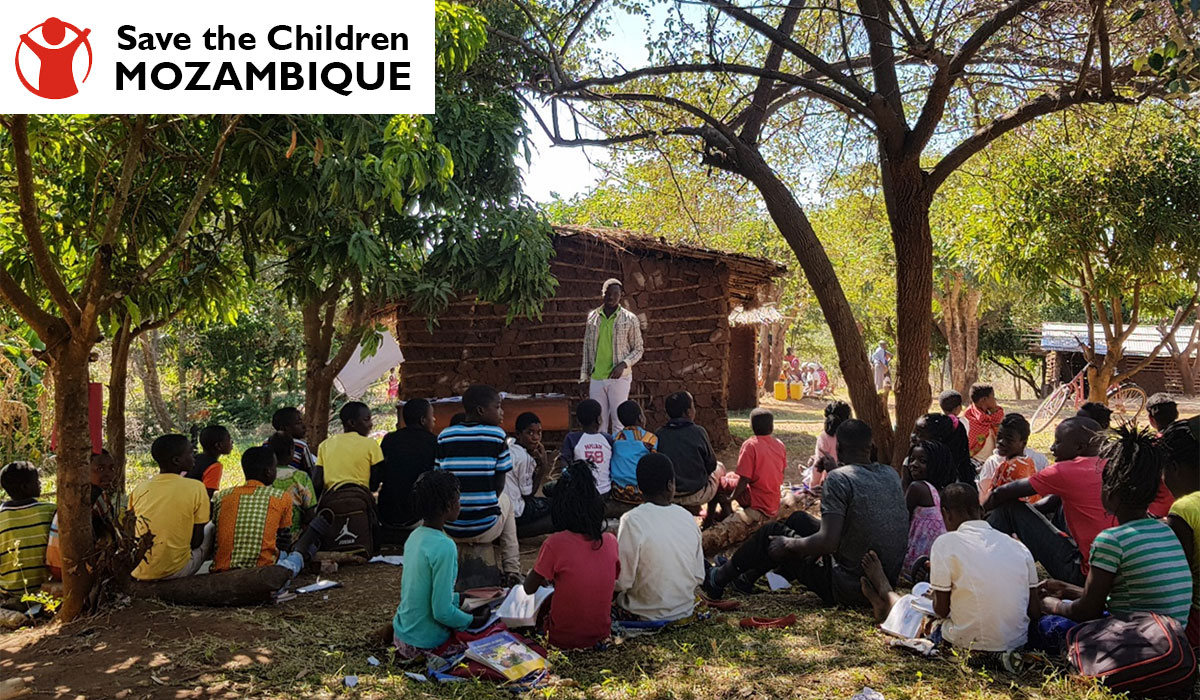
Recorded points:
(662, 562)
(597, 449)
(988, 575)
(518, 482)
(988, 470)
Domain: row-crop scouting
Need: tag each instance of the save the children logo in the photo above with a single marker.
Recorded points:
(46, 58)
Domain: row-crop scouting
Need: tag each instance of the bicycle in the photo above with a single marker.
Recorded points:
(1125, 399)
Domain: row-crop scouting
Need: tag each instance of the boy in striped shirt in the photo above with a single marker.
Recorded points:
(24, 531)
(476, 452)
(1138, 565)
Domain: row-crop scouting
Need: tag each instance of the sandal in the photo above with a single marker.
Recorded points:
(768, 622)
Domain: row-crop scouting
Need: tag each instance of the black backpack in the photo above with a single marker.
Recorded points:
(353, 518)
(1143, 654)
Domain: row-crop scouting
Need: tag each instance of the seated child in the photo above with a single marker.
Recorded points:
(530, 468)
(476, 451)
(660, 549)
(629, 446)
(108, 508)
(407, 454)
(580, 560)
(1181, 471)
(253, 521)
(983, 419)
(762, 459)
(293, 482)
(175, 510)
(1096, 411)
(698, 475)
(1139, 565)
(352, 457)
(215, 442)
(1013, 459)
(824, 456)
(932, 470)
(984, 582)
(590, 445)
(291, 421)
(24, 531)
(1162, 411)
(428, 613)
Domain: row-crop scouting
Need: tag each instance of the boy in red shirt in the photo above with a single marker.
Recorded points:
(762, 460)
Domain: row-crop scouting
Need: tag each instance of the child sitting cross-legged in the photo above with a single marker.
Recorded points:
(24, 532)
(660, 549)
(762, 459)
(1139, 565)
(253, 521)
(580, 560)
(428, 614)
(984, 582)
(629, 446)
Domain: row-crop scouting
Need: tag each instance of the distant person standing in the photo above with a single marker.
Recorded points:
(612, 344)
(881, 360)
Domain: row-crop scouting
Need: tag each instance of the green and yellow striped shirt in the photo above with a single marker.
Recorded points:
(1151, 570)
(24, 532)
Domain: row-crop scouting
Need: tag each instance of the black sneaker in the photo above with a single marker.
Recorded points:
(744, 586)
(711, 590)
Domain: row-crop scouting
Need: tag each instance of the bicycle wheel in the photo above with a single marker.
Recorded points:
(1049, 409)
(1127, 403)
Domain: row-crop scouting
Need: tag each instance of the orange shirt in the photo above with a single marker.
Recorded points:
(247, 519)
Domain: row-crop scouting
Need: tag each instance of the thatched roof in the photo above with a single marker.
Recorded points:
(748, 274)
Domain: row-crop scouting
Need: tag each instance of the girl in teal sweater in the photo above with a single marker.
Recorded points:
(428, 613)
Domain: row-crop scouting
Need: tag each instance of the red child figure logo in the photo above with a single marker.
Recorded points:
(56, 77)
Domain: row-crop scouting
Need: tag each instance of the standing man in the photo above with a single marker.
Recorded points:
(880, 359)
(612, 344)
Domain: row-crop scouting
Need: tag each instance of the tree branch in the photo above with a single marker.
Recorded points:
(756, 114)
(1174, 329)
(31, 223)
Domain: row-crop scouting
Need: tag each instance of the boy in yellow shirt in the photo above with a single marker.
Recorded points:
(351, 457)
(175, 510)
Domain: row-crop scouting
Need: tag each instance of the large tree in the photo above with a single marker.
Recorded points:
(66, 226)
(370, 211)
(918, 88)
(1111, 213)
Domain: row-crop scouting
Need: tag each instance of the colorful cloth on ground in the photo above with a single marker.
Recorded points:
(629, 446)
(1151, 569)
(1187, 509)
(168, 506)
(299, 487)
(475, 453)
(981, 427)
(428, 609)
(348, 458)
(583, 572)
(988, 575)
(604, 363)
(762, 459)
(247, 519)
(925, 527)
(626, 341)
(24, 534)
(596, 448)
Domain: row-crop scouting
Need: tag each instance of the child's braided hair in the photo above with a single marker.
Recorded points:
(435, 493)
(1133, 472)
(577, 506)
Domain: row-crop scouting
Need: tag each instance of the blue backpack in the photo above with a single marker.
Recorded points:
(628, 449)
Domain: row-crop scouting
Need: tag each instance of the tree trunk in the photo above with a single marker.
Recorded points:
(148, 368)
(960, 319)
(908, 210)
(1099, 378)
(69, 366)
(792, 222)
(118, 375)
(181, 398)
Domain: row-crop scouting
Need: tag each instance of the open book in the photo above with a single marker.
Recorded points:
(909, 613)
(505, 655)
(520, 609)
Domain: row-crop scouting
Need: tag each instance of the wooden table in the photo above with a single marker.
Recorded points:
(555, 412)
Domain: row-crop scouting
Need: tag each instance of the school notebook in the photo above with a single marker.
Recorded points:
(505, 655)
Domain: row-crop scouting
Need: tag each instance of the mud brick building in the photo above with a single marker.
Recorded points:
(684, 296)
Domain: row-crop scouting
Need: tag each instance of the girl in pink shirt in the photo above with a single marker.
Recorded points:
(825, 454)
